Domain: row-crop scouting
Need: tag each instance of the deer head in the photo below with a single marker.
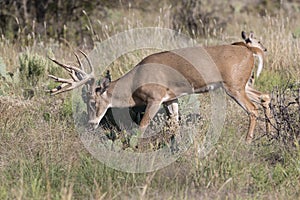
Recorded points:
(94, 95)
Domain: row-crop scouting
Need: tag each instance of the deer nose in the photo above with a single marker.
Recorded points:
(265, 49)
(93, 125)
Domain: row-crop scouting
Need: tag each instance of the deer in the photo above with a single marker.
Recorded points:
(161, 78)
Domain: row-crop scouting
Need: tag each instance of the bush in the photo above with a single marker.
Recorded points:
(285, 107)
(32, 69)
(66, 111)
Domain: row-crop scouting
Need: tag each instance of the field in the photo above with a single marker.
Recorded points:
(42, 155)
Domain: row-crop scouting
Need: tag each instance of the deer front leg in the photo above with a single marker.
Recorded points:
(151, 109)
(172, 108)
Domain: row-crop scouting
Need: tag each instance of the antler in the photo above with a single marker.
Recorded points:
(78, 76)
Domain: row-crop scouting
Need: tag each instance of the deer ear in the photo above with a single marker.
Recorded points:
(106, 80)
(251, 35)
(105, 83)
(103, 86)
(100, 90)
(244, 35)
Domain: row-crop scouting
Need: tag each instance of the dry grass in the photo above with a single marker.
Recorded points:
(283, 45)
(42, 156)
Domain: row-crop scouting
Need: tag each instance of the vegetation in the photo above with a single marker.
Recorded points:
(42, 155)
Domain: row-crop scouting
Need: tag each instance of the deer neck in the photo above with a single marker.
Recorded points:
(119, 94)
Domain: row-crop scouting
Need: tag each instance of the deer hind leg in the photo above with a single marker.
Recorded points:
(262, 99)
(242, 99)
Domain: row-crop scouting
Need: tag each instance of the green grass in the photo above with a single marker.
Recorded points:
(279, 79)
(45, 159)
(232, 169)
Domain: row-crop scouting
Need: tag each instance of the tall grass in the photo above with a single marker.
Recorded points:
(283, 45)
(42, 156)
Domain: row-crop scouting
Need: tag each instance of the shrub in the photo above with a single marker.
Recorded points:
(32, 68)
(33, 71)
(66, 111)
(285, 107)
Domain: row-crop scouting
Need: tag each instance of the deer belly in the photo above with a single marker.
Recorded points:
(207, 88)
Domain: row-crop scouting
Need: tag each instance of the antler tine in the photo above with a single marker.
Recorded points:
(60, 64)
(78, 76)
(63, 88)
(68, 67)
(61, 80)
(66, 82)
(78, 61)
(58, 89)
(87, 58)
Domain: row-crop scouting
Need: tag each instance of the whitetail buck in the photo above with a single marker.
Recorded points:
(161, 78)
